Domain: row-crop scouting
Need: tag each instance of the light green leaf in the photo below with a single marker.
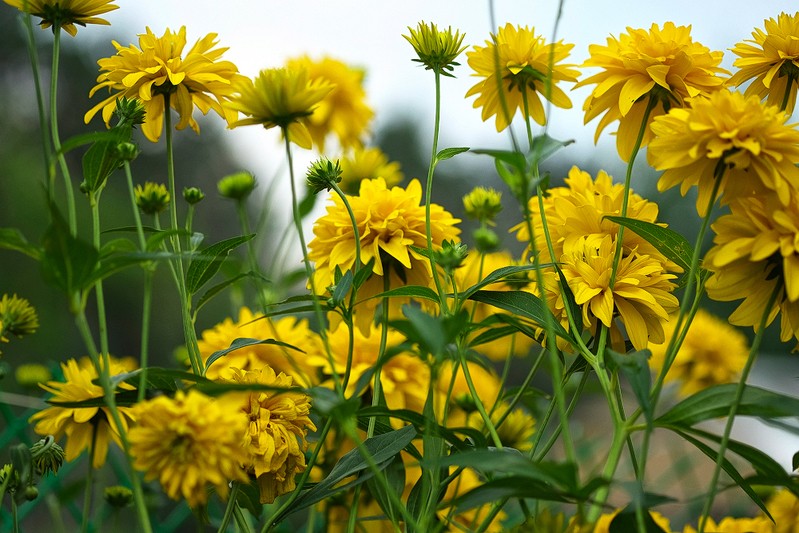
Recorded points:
(448, 153)
(207, 262)
(668, 242)
(238, 344)
(523, 304)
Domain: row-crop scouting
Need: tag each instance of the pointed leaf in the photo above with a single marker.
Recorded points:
(668, 242)
(219, 287)
(208, 261)
(522, 304)
(447, 153)
(626, 521)
(237, 344)
(410, 291)
(543, 148)
(498, 275)
(635, 367)
(68, 262)
(12, 239)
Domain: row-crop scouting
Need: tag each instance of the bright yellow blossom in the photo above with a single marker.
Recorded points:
(663, 65)
(188, 442)
(735, 525)
(65, 14)
(784, 508)
(520, 64)
(156, 72)
(367, 164)
(771, 60)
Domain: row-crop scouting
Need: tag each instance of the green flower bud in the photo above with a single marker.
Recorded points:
(118, 496)
(236, 186)
(31, 493)
(127, 151)
(436, 49)
(31, 375)
(483, 204)
(8, 471)
(129, 111)
(322, 174)
(152, 198)
(451, 255)
(485, 240)
(17, 316)
(47, 456)
(193, 195)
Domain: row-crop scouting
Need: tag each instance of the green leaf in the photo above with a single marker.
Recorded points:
(568, 296)
(625, 521)
(219, 287)
(249, 497)
(207, 262)
(343, 286)
(12, 239)
(448, 153)
(427, 426)
(237, 344)
(522, 304)
(509, 157)
(512, 461)
(363, 274)
(22, 462)
(102, 158)
(155, 241)
(715, 402)
(87, 138)
(498, 275)
(161, 379)
(395, 477)
(506, 487)
(668, 242)
(543, 148)
(115, 263)
(410, 291)
(635, 367)
(68, 262)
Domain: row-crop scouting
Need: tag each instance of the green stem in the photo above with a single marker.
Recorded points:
(788, 91)
(377, 385)
(87, 497)
(739, 393)
(94, 201)
(14, 517)
(73, 224)
(231, 505)
(478, 402)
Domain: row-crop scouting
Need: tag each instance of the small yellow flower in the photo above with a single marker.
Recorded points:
(31, 375)
(82, 425)
(784, 508)
(452, 391)
(188, 442)
(367, 164)
(17, 317)
(157, 71)
(517, 66)
(65, 14)
(747, 145)
(275, 436)
(712, 353)
(736, 525)
(255, 326)
(515, 431)
(436, 49)
(343, 111)
(281, 97)
(756, 249)
(663, 63)
(152, 198)
(771, 60)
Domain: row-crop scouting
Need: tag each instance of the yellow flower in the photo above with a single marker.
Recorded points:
(736, 525)
(515, 431)
(712, 353)
(82, 425)
(771, 60)
(343, 111)
(405, 378)
(468, 520)
(453, 392)
(188, 442)
(151, 198)
(784, 508)
(524, 66)
(157, 71)
(729, 137)
(366, 164)
(436, 49)
(757, 250)
(664, 64)
(390, 222)
(641, 295)
(65, 13)
(254, 326)
(283, 98)
(275, 438)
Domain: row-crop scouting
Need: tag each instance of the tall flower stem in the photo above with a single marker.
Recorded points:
(37, 85)
(94, 202)
(73, 224)
(377, 384)
(87, 495)
(739, 393)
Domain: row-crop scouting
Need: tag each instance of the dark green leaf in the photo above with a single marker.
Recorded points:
(498, 275)
(237, 344)
(363, 274)
(514, 159)
(306, 204)
(216, 289)
(162, 379)
(87, 138)
(343, 287)
(102, 158)
(22, 462)
(668, 242)
(625, 521)
(427, 426)
(410, 291)
(543, 148)
(12, 239)
(447, 153)
(568, 297)
(395, 477)
(208, 261)
(635, 367)
(155, 241)
(522, 304)
(68, 262)
(511, 461)
(249, 497)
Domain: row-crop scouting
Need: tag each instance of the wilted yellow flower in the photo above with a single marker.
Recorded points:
(66, 13)
(729, 137)
(664, 64)
(641, 296)
(343, 111)
(771, 60)
(17, 317)
(156, 71)
(151, 198)
(390, 222)
(82, 425)
(436, 49)
(275, 437)
(784, 508)
(367, 164)
(281, 97)
(523, 66)
(735, 525)
(188, 442)
(756, 249)
(712, 353)
(254, 326)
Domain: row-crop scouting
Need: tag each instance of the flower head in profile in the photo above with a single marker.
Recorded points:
(771, 60)
(391, 222)
(755, 252)
(275, 436)
(713, 352)
(436, 49)
(188, 442)
(66, 14)
(659, 68)
(727, 137)
(151, 198)
(343, 112)
(518, 67)
(17, 317)
(483, 204)
(283, 98)
(83, 425)
(157, 71)
(251, 325)
(515, 427)
(368, 164)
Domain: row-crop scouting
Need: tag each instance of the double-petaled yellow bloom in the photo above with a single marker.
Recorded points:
(518, 67)
(658, 68)
(156, 71)
(771, 60)
(65, 14)
(727, 137)
(283, 98)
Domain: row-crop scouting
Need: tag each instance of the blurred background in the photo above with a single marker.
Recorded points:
(362, 33)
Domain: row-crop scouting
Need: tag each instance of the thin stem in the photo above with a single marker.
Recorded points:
(231, 505)
(94, 201)
(739, 393)
(377, 384)
(478, 402)
(73, 224)
(87, 497)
